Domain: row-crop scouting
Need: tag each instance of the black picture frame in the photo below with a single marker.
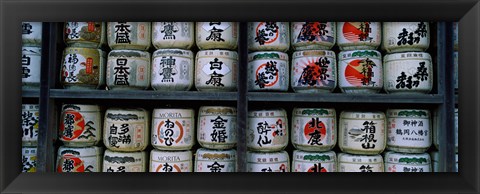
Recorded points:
(467, 12)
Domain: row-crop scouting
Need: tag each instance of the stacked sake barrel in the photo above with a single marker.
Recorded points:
(31, 63)
(216, 63)
(217, 134)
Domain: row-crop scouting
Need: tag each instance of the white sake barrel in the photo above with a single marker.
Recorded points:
(170, 161)
(358, 35)
(173, 35)
(313, 71)
(405, 36)
(85, 34)
(268, 36)
(400, 162)
(128, 70)
(314, 161)
(217, 127)
(267, 130)
(29, 159)
(217, 35)
(83, 68)
(360, 71)
(268, 162)
(30, 117)
(124, 161)
(86, 159)
(268, 71)
(410, 72)
(31, 66)
(409, 130)
(129, 35)
(314, 129)
(216, 70)
(362, 132)
(359, 163)
(126, 130)
(313, 35)
(207, 160)
(173, 129)
(32, 34)
(80, 125)
(172, 70)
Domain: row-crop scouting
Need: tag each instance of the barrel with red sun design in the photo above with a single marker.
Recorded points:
(314, 161)
(170, 161)
(268, 36)
(86, 159)
(268, 162)
(268, 71)
(80, 125)
(360, 71)
(358, 35)
(314, 129)
(314, 71)
(313, 35)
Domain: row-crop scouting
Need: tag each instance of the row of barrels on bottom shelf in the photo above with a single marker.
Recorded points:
(94, 159)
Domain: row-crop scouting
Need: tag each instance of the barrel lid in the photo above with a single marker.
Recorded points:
(124, 157)
(268, 55)
(322, 112)
(270, 157)
(362, 115)
(217, 52)
(407, 55)
(308, 53)
(350, 158)
(173, 112)
(408, 113)
(329, 156)
(173, 52)
(359, 54)
(275, 112)
(129, 53)
(217, 110)
(223, 155)
(31, 50)
(175, 156)
(80, 152)
(80, 107)
(403, 158)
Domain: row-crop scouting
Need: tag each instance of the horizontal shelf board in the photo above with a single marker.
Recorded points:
(347, 98)
(142, 95)
(31, 93)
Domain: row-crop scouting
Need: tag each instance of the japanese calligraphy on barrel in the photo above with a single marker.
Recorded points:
(360, 163)
(313, 35)
(30, 118)
(80, 125)
(129, 35)
(217, 35)
(216, 70)
(128, 70)
(32, 34)
(217, 127)
(268, 162)
(126, 130)
(268, 36)
(358, 35)
(314, 129)
(405, 36)
(173, 129)
(409, 130)
(167, 35)
(314, 71)
(31, 66)
(410, 72)
(86, 159)
(124, 161)
(267, 130)
(402, 162)
(207, 160)
(172, 70)
(83, 68)
(29, 159)
(268, 71)
(362, 132)
(85, 34)
(170, 161)
(360, 71)
(314, 161)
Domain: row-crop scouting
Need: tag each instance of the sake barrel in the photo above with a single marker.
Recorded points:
(360, 71)
(314, 161)
(32, 34)
(124, 161)
(128, 70)
(362, 132)
(268, 71)
(360, 163)
(217, 127)
(167, 35)
(402, 162)
(83, 68)
(30, 117)
(217, 35)
(313, 71)
(406, 36)
(80, 125)
(216, 70)
(409, 130)
(407, 73)
(314, 129)
(267, 130)
(126, 129)
(359, 35)
(268, 36)
(268, 162)
(29, 159)
(85, 34)
(85, 159)
(129, 35)
(172, 70)
(207, 160)
(313, 35)
(173, 128)
(31, 66)
(170, 161)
